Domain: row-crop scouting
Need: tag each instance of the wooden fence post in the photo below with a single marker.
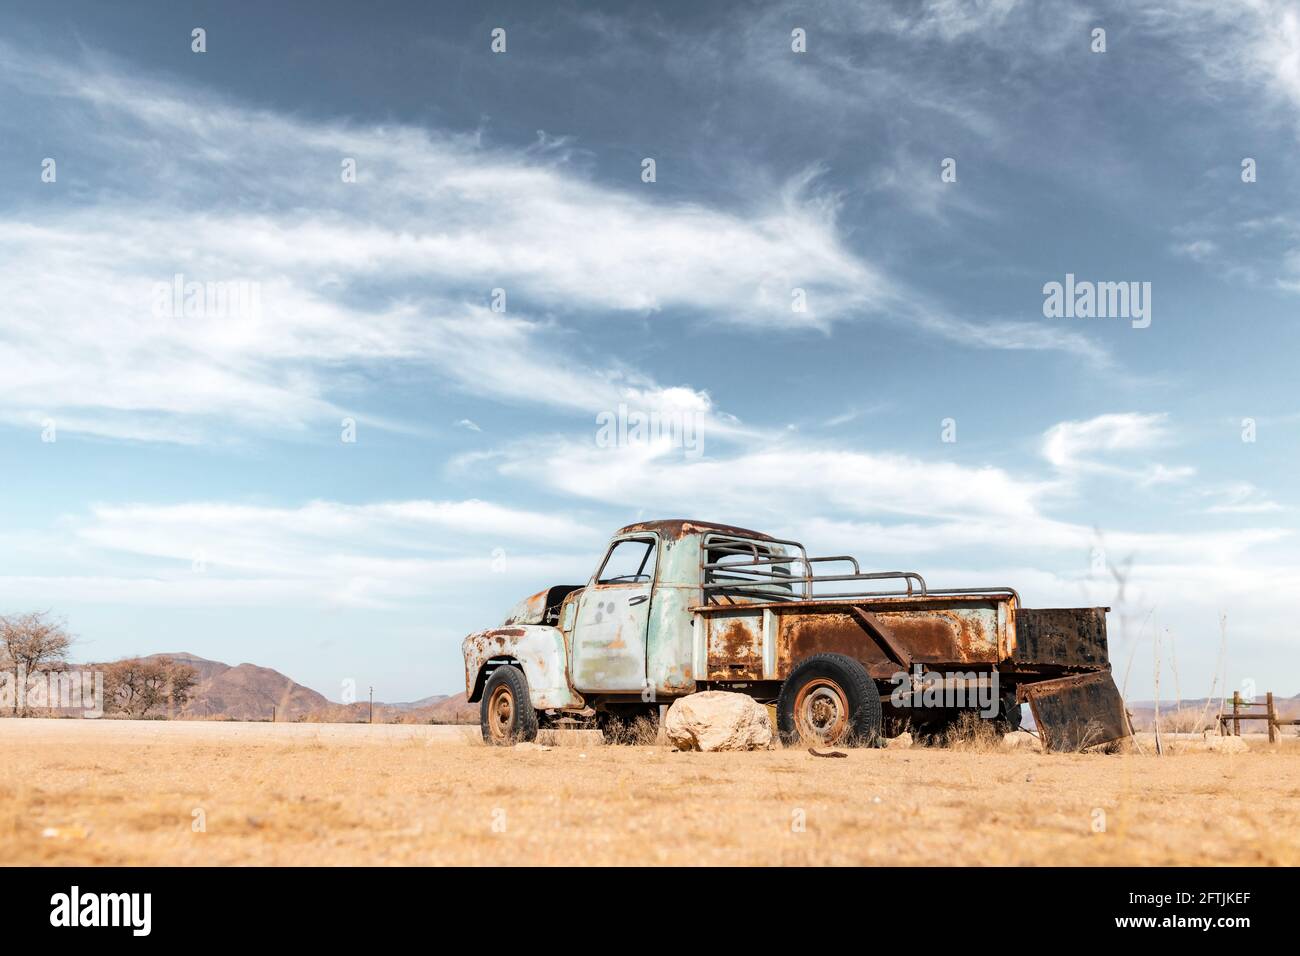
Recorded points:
(1236, 721)
(1272, 720)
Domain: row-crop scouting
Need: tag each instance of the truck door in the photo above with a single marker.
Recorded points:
(609, 637)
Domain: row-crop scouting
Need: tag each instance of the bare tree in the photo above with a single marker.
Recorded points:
(33, 642)
(138, 686)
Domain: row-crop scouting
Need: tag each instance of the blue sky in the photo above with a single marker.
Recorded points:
(198, 494)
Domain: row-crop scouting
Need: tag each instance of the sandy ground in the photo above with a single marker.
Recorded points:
(120, 792)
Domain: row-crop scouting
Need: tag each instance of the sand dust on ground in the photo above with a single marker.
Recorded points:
(153, 792)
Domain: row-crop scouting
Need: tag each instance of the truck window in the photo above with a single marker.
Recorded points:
(629, 562)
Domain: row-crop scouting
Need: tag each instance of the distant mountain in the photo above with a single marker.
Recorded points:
(1189, 712)
(455, 710)
(206, 669)
(249, 692)
(415, 704)
(438, 709)
(245, 692)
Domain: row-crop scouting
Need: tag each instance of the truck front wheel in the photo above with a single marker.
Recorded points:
(505, 714)
(831, 699)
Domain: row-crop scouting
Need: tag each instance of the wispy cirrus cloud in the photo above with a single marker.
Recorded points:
(320, 553)
(959, 524)
(1253, 43)
(394, 270)
(1103, 444)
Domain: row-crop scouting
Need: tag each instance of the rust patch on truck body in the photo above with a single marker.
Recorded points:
(677, 528)
(940, 630)
(735, 648)
(537, 649)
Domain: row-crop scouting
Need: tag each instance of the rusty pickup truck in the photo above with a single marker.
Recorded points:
(847, 657)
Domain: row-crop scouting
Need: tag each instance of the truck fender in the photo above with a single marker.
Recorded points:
(536, 649)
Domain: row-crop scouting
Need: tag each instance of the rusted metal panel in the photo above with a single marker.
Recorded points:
(541, 654)
(801, 634)
(673, 528)
(965, 634)
(1072, 713)
(531, 610)
(542, 607)
(899, 654)
(1063, 637)
(1008, 611)
(940, 630)
(771, 637)
(735, 646)
(671, 665)
(609, 638)
(670, 668)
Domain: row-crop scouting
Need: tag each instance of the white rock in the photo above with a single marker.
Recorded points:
(718, 720)
(901, 742)
(1212, 743)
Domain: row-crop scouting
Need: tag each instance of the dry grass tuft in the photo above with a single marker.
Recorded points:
(640, 732)
(972, 733)
(1185, 720)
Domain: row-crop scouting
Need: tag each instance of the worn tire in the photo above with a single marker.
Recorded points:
(831, 698)
(505, 714)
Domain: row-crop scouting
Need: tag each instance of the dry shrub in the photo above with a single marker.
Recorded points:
(1184, 720)
(972, 733)
(639, 732)
(564, 737)
(1090, 741)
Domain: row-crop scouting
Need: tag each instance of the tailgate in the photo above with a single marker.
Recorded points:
(1077, 712)
(1062, 636)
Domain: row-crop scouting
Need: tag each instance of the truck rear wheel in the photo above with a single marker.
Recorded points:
(831, 699)
(505, 714)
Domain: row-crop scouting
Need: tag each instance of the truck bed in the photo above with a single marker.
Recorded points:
(1055, 659)
(763, 640)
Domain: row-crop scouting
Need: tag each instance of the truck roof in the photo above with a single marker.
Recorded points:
(677, 527)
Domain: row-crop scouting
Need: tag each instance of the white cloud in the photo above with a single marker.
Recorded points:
(964, 526)
(766, 482)
(1199, 250)
(891, 503)
(956, 19)
(320, 553)
(235, 534)
(393, 270)
(1290, 276)
(1251, 42)
(1092, 446)
(1241, 498)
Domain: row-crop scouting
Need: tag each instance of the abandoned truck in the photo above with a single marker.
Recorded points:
(680, 606)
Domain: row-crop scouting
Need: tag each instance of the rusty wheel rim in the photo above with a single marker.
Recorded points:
(821, 710)
(501, 713)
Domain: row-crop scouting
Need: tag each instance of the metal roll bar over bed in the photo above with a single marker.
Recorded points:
(767, 573)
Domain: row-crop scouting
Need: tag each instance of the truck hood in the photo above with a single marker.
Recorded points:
(530, 610)
(534, 609)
